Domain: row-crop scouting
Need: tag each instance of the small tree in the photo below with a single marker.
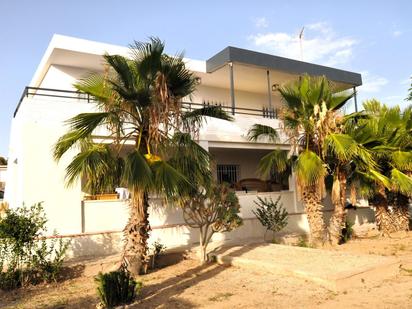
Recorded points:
(271, 214)
(25, 255)
(216, 210)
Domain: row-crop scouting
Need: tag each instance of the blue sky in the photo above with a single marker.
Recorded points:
(370, 37)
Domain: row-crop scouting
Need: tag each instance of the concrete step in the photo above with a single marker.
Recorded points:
(333, 270)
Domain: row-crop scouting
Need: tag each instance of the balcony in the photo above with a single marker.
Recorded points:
(58, 101)
(61, 95)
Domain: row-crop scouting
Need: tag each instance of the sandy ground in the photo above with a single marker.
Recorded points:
(185, 284)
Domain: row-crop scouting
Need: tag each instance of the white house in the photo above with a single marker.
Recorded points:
(242, 81)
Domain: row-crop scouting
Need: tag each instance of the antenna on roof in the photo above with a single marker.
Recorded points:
(300, 42)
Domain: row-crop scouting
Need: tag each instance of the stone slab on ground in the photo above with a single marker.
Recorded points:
(337, 271)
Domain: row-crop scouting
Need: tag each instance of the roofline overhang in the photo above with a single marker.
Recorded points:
(276, 63)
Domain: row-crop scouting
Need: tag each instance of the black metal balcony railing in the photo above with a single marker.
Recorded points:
(265, 112)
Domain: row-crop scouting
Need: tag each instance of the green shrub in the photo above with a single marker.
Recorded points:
(117, 288)
(302, 242)
(26, 257)
(214, 211)
(271, 214)
(157, 249)
(347, 232)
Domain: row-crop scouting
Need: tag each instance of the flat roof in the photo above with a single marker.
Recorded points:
(271, 62)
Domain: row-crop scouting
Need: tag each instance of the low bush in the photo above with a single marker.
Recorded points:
(271, 214)
(26, 257)
(347, 232)
(117, 288)
(157, 249)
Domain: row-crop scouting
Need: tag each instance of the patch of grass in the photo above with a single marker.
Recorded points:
(220, 297)
(407, 270)
(302, 242)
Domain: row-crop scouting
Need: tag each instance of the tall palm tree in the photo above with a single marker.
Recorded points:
(347, 156)
(139, 104)
(391, 130)
(309, 114)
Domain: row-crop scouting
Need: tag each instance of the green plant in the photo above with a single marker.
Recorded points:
(213, 211)
(48, 259)
(25, 255)
(271, 214)
(347, 232)
(117, 288)
(157, 249)
(302, 242)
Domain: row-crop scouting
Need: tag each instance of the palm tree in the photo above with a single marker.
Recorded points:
(139, 104)
(348, 157)
(309, 115)
(391, 130)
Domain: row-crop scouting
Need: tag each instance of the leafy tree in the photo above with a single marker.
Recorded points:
(139, 102)
(215, 210)
(271, 214)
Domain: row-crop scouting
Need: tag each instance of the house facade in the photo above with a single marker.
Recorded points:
(243, 82)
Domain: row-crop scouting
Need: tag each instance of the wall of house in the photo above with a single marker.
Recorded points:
(103, 236)
(34, 176)
(62, 77)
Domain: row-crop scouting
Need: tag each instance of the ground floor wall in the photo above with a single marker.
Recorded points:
(103, 221)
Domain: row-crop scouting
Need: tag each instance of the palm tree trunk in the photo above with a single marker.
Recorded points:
(136, 234)
(383, 217)
(401, 212)
(337, 221)
(313, 208)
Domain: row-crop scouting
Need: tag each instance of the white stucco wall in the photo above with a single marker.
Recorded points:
(103, 236)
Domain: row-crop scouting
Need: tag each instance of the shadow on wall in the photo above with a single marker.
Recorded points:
(95, 245)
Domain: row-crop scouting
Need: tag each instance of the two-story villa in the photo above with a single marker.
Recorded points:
(243, 82)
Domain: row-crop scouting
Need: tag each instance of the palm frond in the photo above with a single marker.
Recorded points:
(197, 117)
(402, 160)
(259, 130)
(276, 159)
(169, 181)
(343, 146)
(401, 182)
(309, 168)
(94, 162)
(190, 159)
(137, 172)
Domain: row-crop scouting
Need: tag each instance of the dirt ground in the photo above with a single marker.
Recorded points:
(185, 284)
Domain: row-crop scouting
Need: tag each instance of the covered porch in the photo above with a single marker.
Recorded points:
(239, 168)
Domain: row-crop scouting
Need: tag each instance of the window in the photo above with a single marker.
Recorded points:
(228, 173)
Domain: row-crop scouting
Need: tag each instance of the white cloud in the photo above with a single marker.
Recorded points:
(320, 44)
(261, 22)
(397, 33)
(372, 83)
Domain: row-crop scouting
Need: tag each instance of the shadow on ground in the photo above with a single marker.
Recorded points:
(167, 292)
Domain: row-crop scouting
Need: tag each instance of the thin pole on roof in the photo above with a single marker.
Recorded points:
(232, 88)
(355, 99)
(301, 43)
(269, 89)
